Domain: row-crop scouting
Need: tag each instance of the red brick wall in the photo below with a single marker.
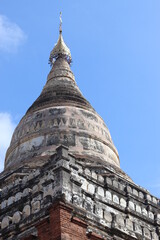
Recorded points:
(61, 225)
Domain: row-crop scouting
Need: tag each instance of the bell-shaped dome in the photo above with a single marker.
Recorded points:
(61, 116)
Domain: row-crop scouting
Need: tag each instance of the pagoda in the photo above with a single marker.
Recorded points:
(62, 178)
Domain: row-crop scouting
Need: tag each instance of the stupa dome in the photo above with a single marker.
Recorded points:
(61, 116)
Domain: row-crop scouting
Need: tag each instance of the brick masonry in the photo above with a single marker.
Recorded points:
(69, 198)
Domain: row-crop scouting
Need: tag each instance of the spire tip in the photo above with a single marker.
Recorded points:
(60, 26)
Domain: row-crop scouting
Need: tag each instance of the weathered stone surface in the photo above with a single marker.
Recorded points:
(100, 191)
(108, 195)
(123, 202)
(131, 205)
(5, 222)
(120, 220)
(10, 200)
(61, 115)
(35, 206)
(95, 201)
(115, 199)
(108, 216)
(26, 211)
(16, 217)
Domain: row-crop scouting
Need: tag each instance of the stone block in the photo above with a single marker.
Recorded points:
(135, 192)
(36, 206)
(148, 197)
(24, 180)
(26, 211)
(100, 179)
(121, 187)
(87, 172)
(31, 175)
(158, 216)
(154, 200)
(129, 224)
(138, 228)
(120, 220)
(48, 190)
(68, 196)
(109, 181)
(154, 236)
(144, 212)
(88, 204)
(107, 216)
(16, 217)
(147, 233)
(115, 199)
(17, 181)
(123, 202)
(98, 211)
(94, 175)
(62, 151)
(84, 185)
(18, 196)
(26, 192)
(131, 205)
(5, 222)
(141, 195)
(138, 209)
(100, 191)
(109, 195)
(129, 189)
(4, 204)
(115, 184)
(10, 200)
(35, 189)
(91, 188)
(151, 215)
(77, 200)
(36, 172)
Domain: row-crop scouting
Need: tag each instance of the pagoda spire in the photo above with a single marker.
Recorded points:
(60, 49)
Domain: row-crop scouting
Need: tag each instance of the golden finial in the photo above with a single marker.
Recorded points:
(60, 49)
(60, 26)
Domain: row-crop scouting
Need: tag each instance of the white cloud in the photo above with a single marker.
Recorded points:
(7, 127)
(11, 35)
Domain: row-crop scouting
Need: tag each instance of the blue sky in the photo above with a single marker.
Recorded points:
(115, 47)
